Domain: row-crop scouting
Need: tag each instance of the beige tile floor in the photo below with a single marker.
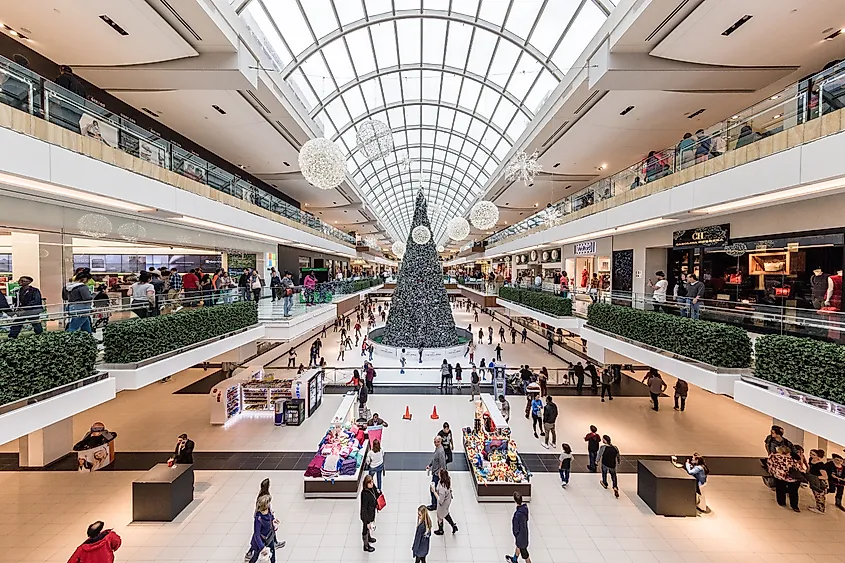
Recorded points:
(43, 517)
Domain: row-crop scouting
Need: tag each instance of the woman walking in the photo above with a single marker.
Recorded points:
(422, 536)
(443, 492)
(446, 441)
(780, 463)
(819, 485)
(263, 491)
(264, 530)
(369, 504)
(565, 467)
(375, 461)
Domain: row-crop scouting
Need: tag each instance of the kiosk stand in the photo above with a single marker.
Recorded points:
(496, 468)
(500, 380)
(338, 444)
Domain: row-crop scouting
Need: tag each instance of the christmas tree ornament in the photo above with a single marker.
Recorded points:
(94, 225)
(398, 248)
(524, 167)
(322, 163)
(458, 228)
(484, 215)
(421, 234)
(374, 139)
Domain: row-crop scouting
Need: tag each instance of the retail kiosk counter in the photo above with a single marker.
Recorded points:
(496, 468)
(321, 481)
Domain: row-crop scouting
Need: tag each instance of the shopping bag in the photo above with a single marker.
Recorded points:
(264, 556)
(381, 502)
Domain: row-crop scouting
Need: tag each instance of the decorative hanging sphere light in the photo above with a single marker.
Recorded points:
(322, 163)
(374, 138)
(132, 232)
(421, 234)
(371, 241)
(458, 228)
(441, 248)
(484, 215)
(434, 210)
(94, 225)
(398, 248)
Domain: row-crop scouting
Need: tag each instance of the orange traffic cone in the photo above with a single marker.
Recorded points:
(434, 415)
(407, 415)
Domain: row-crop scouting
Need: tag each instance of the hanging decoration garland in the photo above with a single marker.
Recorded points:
(458, 228)
(398, 248)
(421, 234)
(484, 215)
(552, 215)
(371, 241)
(441, 248)
(374, 139)
(524, 167)
(322, 163)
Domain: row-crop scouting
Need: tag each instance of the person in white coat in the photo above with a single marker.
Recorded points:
(443, 492)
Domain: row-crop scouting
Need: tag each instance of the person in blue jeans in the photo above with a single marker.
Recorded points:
(695, 293)
(593, 442)
(438, 462)
(287, 291)
(79, 300)
(565, 466)
(375, 461)
(609, 458)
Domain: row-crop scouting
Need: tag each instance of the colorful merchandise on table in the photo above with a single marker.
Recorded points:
(340, 453)
(494, 458)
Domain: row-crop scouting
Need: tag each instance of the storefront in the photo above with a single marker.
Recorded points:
(582, 260)
(788, 270)
(552, 263)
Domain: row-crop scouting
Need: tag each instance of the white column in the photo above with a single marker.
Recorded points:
(55, 265)
(45, 446)
(26, 257)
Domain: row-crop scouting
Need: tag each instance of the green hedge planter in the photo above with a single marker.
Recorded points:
(539, 300)
(712, 343)
(804, 364)
(139, 339)
(34, 364)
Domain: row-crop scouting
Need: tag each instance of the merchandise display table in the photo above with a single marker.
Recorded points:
(162, 493)
(495, 466)
(667, 490)
(337, 468)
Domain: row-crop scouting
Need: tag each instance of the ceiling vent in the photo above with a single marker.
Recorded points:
(739, 23)
(180, 19)
(626, 111)
(696, 113)
(586, 102)
(111, 23)
(218, 109)
(150, 112)
(666, 21)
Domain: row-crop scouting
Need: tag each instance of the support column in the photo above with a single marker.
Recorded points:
(790, 432)
(813, 442)
(42, 447)
(26, 257)
(55, 266)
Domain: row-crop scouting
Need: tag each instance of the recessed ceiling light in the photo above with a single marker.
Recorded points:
(536, 204)
(734, 117)
(775, 97)
(306, 205)
(114, 26)
(778, 116)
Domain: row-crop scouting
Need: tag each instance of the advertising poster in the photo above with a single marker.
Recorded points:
(95, 128)
(151, 153)
(193, 171)
(94, 458)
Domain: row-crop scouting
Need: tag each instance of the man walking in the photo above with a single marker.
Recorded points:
(681, 391)
(549, 418)
(475, 385)
(502, 334)
(287, 293)
(438, 462)
(519, 526)
(489, 335)
(656, 386)
(498, 352)
(593, 442)
(513, 335)
(606, 379)
(579, 378)
(29, 306)
(524, 334)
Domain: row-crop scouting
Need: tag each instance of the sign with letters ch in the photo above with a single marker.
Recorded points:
(713, 235)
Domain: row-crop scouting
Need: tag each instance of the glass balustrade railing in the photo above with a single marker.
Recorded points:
(798, 104)
(24, 90)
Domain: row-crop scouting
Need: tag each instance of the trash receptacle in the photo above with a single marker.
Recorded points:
(279, 412)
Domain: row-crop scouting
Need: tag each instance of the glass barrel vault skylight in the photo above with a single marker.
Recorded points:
(456, 81)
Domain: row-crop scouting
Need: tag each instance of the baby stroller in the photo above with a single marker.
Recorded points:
(101, 305)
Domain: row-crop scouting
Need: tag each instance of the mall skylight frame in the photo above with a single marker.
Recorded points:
(467, 57)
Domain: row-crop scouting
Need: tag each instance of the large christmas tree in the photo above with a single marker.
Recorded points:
(420, 314)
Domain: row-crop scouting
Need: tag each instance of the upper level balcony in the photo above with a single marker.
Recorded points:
(801, 113)
(29, 103)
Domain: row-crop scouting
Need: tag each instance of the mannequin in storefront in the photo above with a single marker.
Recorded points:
(834, 292)
(585, 277)
(820, 285)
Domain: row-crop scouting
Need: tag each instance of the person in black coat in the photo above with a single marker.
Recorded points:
(369, 505)
(184, 452)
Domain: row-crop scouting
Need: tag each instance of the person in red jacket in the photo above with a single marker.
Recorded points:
(98, 548)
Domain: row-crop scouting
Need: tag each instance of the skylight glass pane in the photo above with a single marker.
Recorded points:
(409, 45)
(337, 112)
(319, 14)
(523, 15)
(291, 24)
(359, 45)
(390, 87)
(494, 11)
(469, 94)
(545, 84)
(375, 7)
(429, 114)
(503, 114)
(467, 7)
(299, 83)
(431, 85)
(476, 129)
(487, 102)
(355, 102)
(552, 23)
(428, 136)
(444, 119)
(458, 46)
(348, 12)
(504, 62)
(412, 85)
(384, 40)
(338, 62)
(434, 38)
(450, 85)
(587, 23)
(265, 28)
(483, 44)
(412, 115)
(372, 93)
(525, 73)
(461, 122)
(318, 75)
(502, 149)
